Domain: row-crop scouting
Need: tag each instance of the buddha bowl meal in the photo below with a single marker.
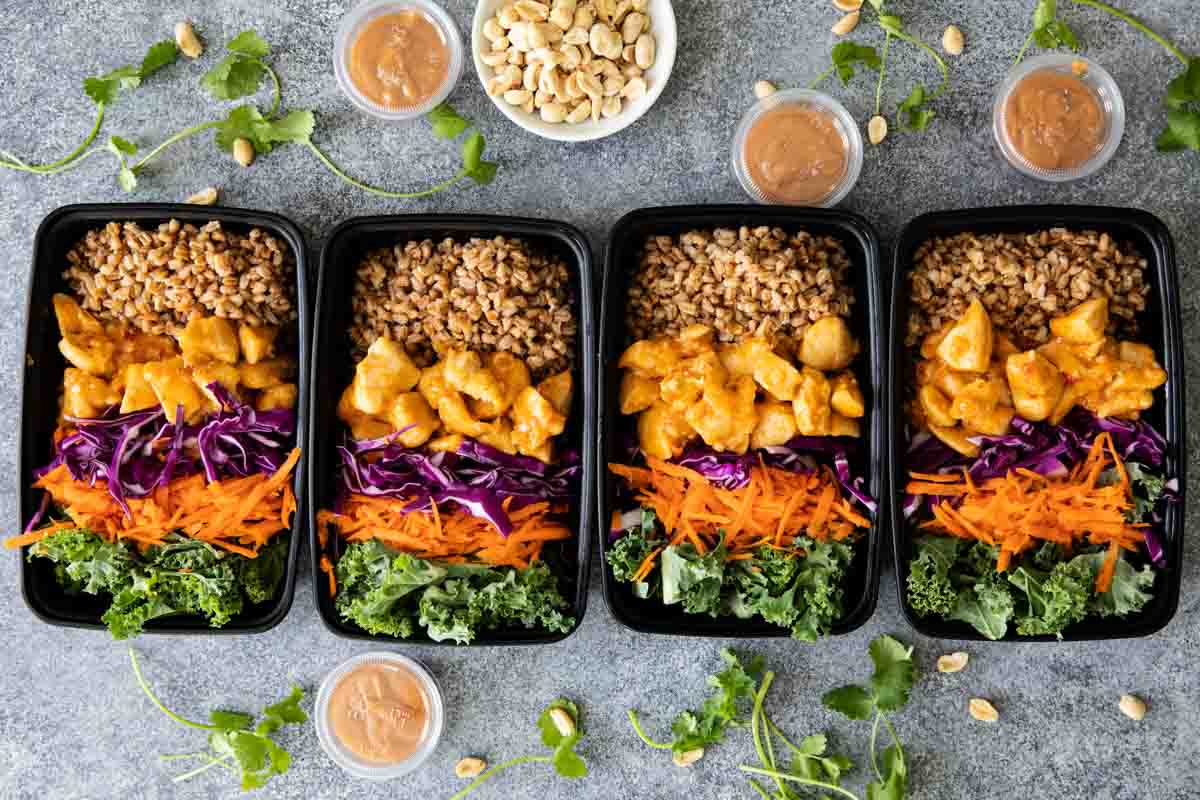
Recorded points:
(455, 481)
(1035, 488)
(169, 490)
(742, 414)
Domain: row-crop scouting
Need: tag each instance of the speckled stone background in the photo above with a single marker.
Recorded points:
(72, 721)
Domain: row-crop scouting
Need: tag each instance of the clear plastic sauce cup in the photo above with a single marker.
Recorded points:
(430, 24)
(835, 124)
(339, 707)
(1104, 91)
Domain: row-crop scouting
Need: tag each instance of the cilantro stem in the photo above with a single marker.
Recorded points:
(787, 776)
(1138, 24)
(821, 78)
(761, 791)
(766, 754)
(499, 767)
(137, 671)
(170, 140)
(908, 37)
(56, 166)
(336, 170)
(212, 762)
(887, 40)
(637, 728)
(874, 739)
(895, 739)
(1024, 47)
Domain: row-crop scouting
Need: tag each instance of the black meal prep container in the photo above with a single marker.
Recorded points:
(1159, 327)
(42, 387)
(345, 247)
(621, 260)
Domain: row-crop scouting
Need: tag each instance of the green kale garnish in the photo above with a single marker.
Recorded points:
(392, 593)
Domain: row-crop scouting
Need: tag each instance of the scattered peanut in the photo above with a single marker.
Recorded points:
(847, 23)
(877, 129)
(470, 767)
(204, 197)
(688, 757)
(954, 662)
(243, 152)
(847, 6)
(982, 710)
(952, 40)
(763, 89)
(563, 720)
(189, 43)
(577, 59)
(1133, 707)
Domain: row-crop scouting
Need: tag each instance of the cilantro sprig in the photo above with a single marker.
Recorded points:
(103, 90)
(914, 110)
(241, 73)
(1183, 92)
(562, 757)
(235, 741)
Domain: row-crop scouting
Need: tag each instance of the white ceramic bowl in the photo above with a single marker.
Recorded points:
(662, 17)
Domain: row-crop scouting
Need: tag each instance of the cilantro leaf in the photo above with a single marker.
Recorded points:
(1184, 89)
(249, 43)
(1045, 13)
(446, 122)
(566, 761)
(892, 24)
(893, 677)
(851, 701)
(103, 89)
(231, 720)
(895, 777)
(286, 712)
(122, 147)
(1182, 133)
(551, 735)
(917, 117)
(234, 76)
(846, 54)
(160, 54)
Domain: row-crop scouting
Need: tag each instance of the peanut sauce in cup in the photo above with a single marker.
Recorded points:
(379, 715)
(397, 59)
(1058, 117)
(797, 147)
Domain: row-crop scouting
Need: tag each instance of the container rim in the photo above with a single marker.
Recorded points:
(1164, 269)
(141, 212)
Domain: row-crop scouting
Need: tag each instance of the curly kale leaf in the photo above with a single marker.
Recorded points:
(930, 590)
(261, 576)
(1053, 600)
(987, 606)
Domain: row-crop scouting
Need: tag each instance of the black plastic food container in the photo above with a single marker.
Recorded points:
(861, 583)
(1159, 327)
(42, 386)
(345, 248)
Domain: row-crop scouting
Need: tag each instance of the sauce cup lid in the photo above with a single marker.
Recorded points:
(1102, 85)
(366, 11)
(843, 121)
(343, 756)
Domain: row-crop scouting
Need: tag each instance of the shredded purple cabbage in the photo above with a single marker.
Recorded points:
(136, 453)
(477, 477)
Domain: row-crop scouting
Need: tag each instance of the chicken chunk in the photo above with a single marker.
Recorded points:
(413, 418)
(977, 399)
(653, 358)
(662, 432)
(725, 416)
(776, 424)
(138, 393)
(685, 384)
(445, 444)
(384, 373)
(994, 422)
(739, 359)
(1128, 404)
(85, 343)
(362, 426)
(457, 418)
(828, 345)
(812, 404)
(215, 372)
(86, 396)
(266, 374)
(559, 390)
(282, 396)
(967, 346)
(1036, 385)
(257, 342)
(776, 375)
(935, 406)
(433, 386)
(500, 436)
(1085, 324)
(1141, 355)
(637, 393)
(844, 426)
(846, 397)
(208, 339)
(465, 372)
(534, 421)
(958, 438)
(174, 387)
(695, 339)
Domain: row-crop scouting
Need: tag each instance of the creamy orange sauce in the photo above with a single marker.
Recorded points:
(1054, 120)
(398, 60)
(795, 154)
(380, 713)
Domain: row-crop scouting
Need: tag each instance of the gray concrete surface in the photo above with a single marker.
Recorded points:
(72, 722)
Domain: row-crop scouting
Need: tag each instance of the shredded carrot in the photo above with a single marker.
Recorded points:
(327, 567)
(455, 537)
(239, 515)
(773, 509)
(1022, 509)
